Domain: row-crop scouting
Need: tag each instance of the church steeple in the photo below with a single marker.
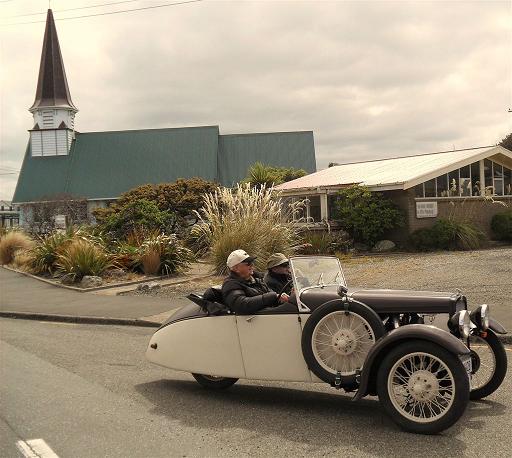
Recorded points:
(52, 85)
(53, 109)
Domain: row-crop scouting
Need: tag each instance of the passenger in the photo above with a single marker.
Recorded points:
(242, 291)
(278, 276)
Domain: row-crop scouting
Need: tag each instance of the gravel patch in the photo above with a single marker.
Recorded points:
(483, 276)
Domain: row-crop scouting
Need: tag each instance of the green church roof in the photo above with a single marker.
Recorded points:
(103, 165)
(280, 149)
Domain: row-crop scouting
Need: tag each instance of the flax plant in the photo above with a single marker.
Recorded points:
(244, 218)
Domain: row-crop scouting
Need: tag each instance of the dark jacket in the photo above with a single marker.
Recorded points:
(276, 282)
(245, 297)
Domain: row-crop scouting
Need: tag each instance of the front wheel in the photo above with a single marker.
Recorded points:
(214, 383)
(423, 387)
(489, 361)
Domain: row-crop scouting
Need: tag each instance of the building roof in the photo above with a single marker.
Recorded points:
(52, 85)
(103, 165)
(281, 149)
(394, 173)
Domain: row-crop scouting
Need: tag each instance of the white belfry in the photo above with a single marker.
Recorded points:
(53, 110)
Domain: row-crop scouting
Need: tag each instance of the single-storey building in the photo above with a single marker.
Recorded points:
(472, 183)
(98, 167)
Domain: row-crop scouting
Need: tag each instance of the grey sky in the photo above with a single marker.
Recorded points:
(371, 79)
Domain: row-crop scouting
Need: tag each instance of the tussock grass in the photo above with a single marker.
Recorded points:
(82, 257)
(11, 243)
(244, 218)
(164, 254)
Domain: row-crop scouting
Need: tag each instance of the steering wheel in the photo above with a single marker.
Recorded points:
(282, 289)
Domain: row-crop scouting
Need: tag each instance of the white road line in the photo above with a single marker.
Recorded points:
(36, 448)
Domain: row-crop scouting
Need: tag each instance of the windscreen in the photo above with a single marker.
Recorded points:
(310, 271)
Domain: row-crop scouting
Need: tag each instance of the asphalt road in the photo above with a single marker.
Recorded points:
(88, 392)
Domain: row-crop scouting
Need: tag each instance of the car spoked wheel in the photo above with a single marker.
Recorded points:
(335, 342)
(214, 382)
(423, 387)
(341, 342)
(489, 362)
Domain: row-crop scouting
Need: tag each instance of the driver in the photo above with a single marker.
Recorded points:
(278, 276)
(242, 291)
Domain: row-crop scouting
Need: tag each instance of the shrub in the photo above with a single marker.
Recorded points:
(501, 225)
(164, 254)
(82, 257)
(137, 215)
(12, 242)
(326, 242)
(366, 215)
(180, 198)
(447, 234)
(245, 218)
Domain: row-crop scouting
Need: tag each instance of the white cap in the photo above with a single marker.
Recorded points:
(238, 256)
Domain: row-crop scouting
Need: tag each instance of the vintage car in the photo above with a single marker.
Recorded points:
(367, 341)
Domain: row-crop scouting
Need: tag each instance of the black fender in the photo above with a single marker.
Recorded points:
(496, 326)
(408, 332)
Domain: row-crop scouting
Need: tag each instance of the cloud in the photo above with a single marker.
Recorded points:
(371, 79)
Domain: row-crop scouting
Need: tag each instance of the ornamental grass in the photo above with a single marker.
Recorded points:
(244, 218)
(11, 243)
(164, 254)
(82, 257)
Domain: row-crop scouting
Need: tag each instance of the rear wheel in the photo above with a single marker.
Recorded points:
(214, 383)
(489, 361)
(423, 387)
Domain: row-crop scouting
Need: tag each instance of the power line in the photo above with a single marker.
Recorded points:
(73, 9)
(111, 12)
(10, 173)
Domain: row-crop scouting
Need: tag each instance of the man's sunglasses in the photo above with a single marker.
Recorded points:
(248, 263)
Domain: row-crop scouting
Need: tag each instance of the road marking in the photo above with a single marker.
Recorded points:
(36, 448)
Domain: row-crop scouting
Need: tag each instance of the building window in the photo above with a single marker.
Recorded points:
(453, 183)
(302, 209)
(314, 213)
(419, 191)
(465, 181)
(488, 177)
(442, 185)
(507, 181)
(430, 188)
(498, 179)
(475, 179)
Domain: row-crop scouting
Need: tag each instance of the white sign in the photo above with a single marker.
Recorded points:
(426, 209)
(60, 221)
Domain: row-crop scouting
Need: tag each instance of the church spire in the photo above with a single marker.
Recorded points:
(52, 86)
(53, 111)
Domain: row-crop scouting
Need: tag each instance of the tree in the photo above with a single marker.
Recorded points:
(366, 215)
(507, 142)
(259, 175)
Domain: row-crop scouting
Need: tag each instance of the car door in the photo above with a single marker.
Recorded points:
(271, 346)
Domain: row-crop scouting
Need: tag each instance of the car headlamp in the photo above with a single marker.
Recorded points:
(480, 317)
(462, 321)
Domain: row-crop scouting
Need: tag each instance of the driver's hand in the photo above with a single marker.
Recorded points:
(284, 298)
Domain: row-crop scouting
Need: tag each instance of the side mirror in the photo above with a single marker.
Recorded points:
(342, 290)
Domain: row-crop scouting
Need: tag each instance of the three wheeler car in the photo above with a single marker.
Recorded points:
(366, 341)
